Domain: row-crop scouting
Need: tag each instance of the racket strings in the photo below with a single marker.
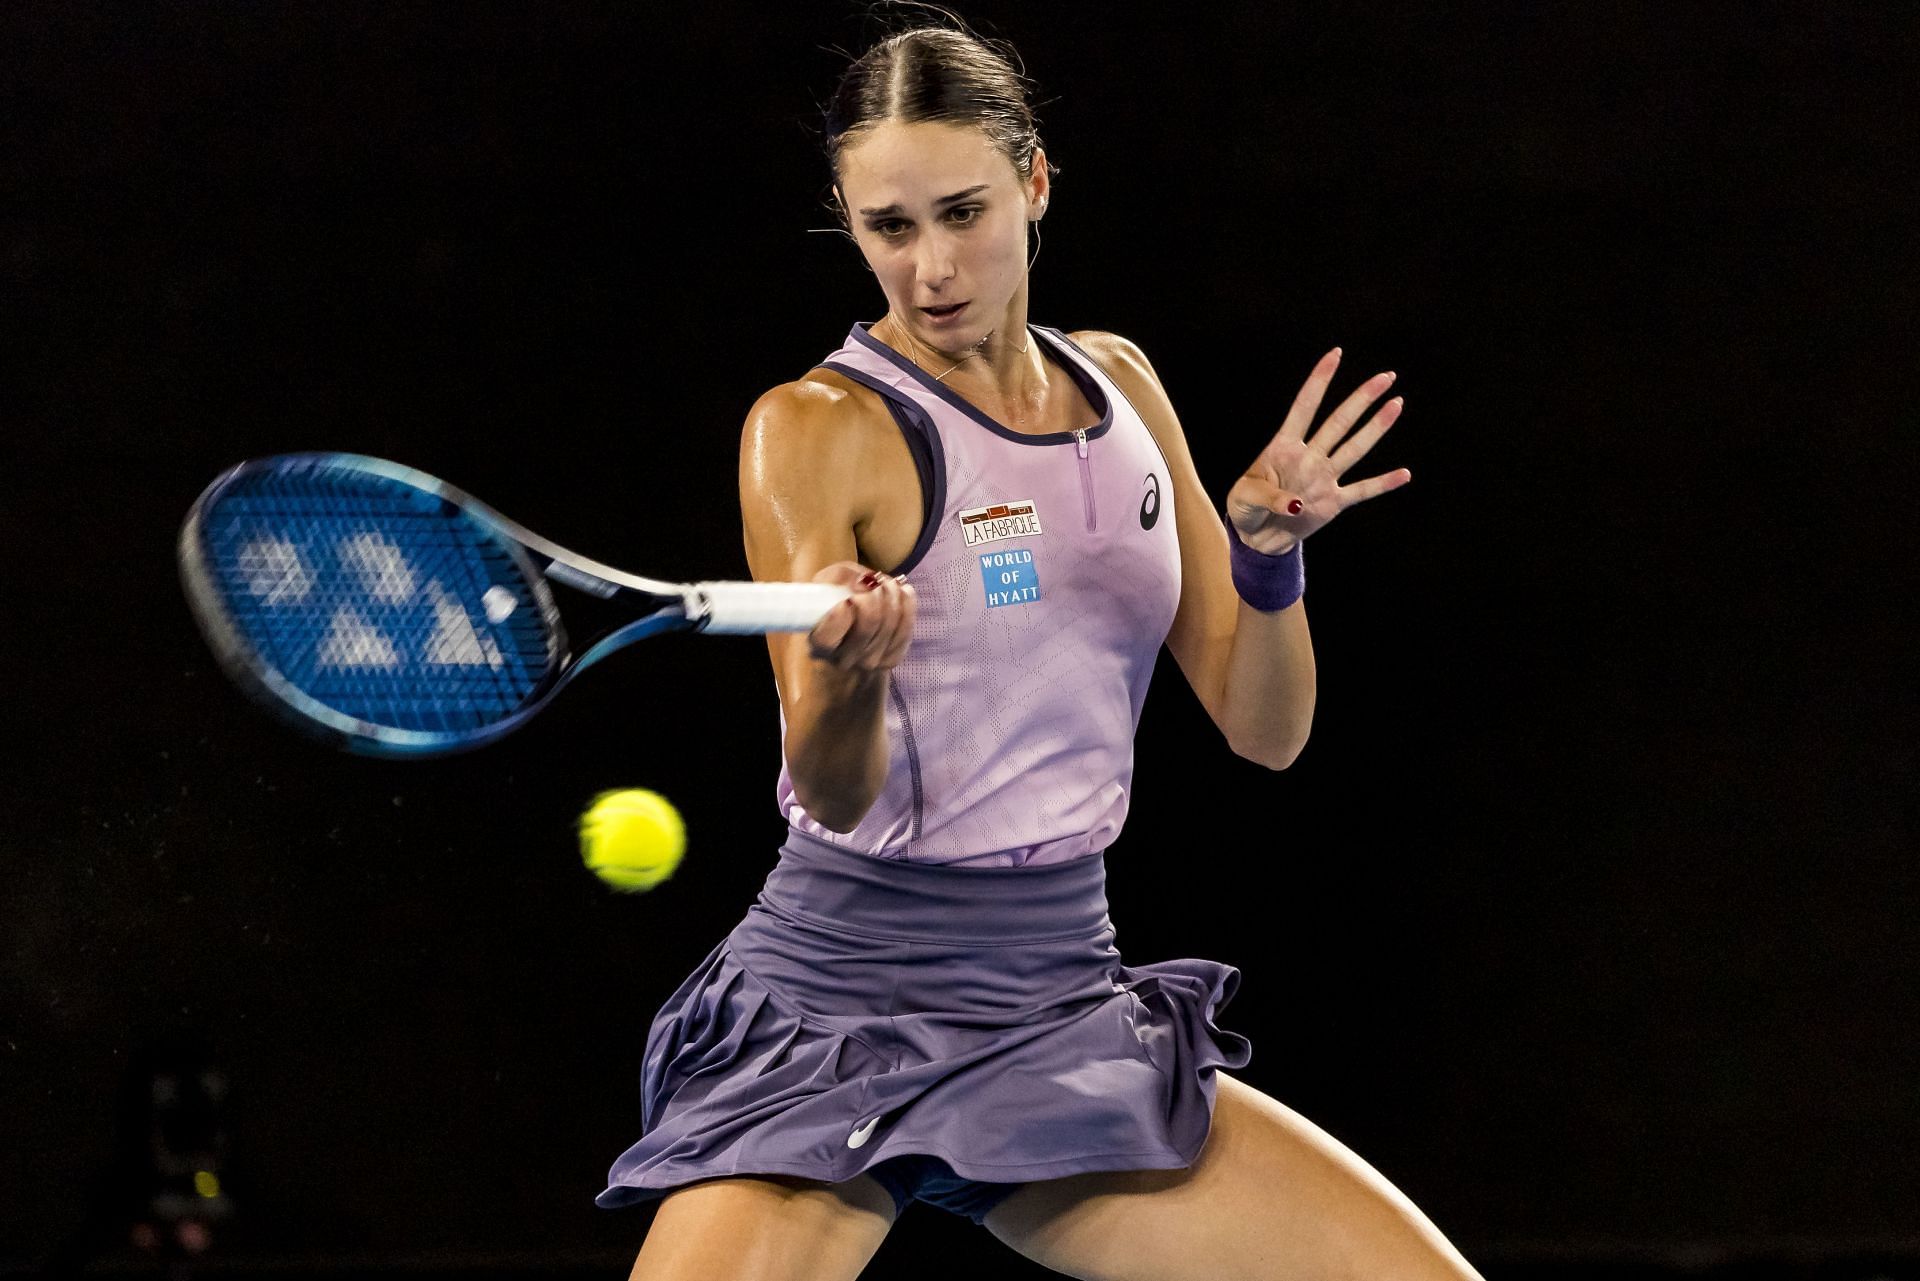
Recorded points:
(380, 601)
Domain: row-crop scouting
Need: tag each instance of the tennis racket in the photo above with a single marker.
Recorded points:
(386, 612)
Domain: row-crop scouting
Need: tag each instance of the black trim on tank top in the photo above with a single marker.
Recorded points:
(929, 459)
(1089, 387)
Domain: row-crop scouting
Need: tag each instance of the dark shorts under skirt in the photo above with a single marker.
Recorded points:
(940, 1028)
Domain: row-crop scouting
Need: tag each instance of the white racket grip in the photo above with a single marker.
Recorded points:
(744, 609)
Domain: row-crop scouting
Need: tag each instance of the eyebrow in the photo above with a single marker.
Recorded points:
(944, 200)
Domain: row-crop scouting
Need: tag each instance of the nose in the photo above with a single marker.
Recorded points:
(933, 260)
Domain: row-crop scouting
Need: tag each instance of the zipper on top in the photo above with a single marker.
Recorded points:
(1086, 476)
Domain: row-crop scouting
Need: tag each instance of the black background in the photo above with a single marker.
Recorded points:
(1587, 914)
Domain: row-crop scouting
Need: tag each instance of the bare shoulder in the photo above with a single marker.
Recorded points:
(824, 466)
(822, 418)
(1114, 354)
(819, 404)
(1123, 361)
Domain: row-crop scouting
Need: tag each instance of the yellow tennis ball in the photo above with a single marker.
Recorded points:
(632, 838)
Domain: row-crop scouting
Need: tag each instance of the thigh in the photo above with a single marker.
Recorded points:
(1272, 1197)
(765, 1229)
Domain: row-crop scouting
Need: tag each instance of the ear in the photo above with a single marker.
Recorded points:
(1039, 186)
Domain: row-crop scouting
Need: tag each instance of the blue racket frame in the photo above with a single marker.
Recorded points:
(665, 604)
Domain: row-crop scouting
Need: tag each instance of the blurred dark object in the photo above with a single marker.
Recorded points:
(164, 1193)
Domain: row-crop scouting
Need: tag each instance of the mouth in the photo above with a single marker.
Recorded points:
(944, 314)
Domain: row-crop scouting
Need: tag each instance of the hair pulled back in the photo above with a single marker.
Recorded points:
(943, 74)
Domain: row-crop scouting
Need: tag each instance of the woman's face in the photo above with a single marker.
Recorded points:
(941, 216)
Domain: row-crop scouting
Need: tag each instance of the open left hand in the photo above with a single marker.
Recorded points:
(1293, 471)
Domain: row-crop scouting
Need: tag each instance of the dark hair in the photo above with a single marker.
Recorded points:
(936, 73)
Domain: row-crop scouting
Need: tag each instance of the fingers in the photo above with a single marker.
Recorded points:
(871, 629)
(1252, 493)
(893, 648)
(1356, 449)
(1307, 403)
(1341, 420)
(1373, 486)
(891, 604)
(845, 573)
(831, 630)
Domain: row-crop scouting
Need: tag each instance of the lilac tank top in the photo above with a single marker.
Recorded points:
(1047, 574)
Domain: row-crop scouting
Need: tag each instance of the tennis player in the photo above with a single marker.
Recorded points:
(925, 1001)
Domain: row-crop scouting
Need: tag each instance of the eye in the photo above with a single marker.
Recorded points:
(889, 228)
(972, 213)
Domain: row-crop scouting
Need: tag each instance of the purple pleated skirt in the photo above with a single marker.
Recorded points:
(866, 1009)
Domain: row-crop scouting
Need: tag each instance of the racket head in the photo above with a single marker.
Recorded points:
(370, 605)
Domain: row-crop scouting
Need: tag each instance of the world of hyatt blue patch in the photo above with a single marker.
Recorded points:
(1010, 578)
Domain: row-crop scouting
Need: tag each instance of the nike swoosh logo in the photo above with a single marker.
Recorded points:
(858, 1139)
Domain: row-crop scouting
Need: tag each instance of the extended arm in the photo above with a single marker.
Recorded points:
(1252, 669)
(801, 500)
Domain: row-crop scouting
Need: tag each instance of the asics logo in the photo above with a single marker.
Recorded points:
(1150, 505)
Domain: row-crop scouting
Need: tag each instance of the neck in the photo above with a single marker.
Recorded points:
(1003, 358)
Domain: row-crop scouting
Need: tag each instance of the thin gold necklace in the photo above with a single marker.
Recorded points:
(975, 351)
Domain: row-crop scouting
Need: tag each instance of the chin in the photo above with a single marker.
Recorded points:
(954, 342)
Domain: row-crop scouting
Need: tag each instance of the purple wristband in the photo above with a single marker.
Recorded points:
(1265, 582)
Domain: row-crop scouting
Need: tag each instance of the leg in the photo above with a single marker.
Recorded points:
(1271, 1197)
(765, 1229)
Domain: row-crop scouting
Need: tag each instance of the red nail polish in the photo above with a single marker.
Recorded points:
(1293, 508)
